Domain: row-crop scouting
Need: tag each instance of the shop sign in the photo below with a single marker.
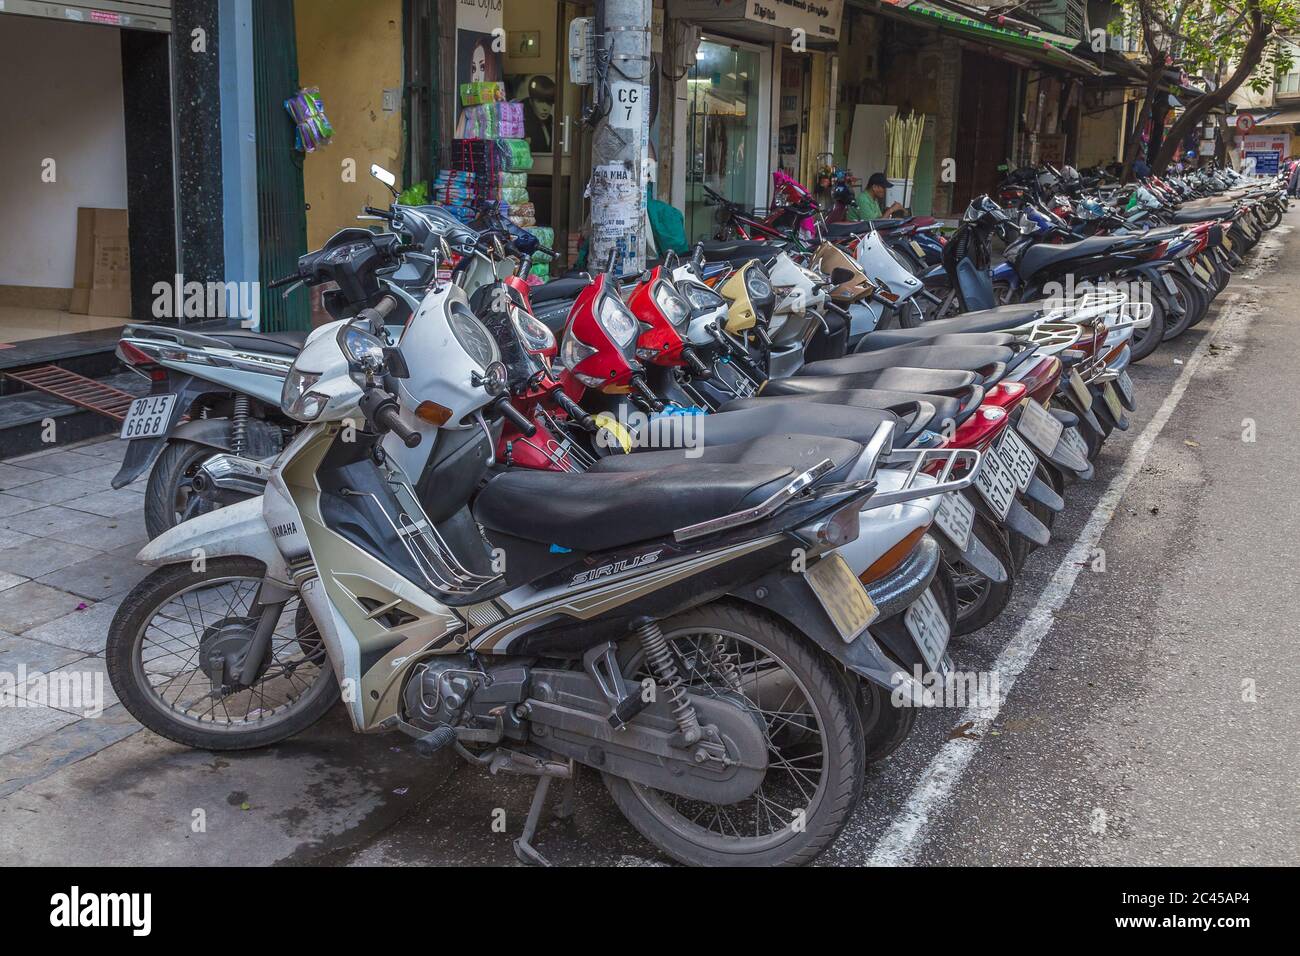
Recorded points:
(818, 19)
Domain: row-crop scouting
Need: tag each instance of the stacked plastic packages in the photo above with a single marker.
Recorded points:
(489, 158)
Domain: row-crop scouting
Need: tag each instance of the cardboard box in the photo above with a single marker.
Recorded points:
(101, 282)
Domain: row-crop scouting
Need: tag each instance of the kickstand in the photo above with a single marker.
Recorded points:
(569, 797)
(524, 848)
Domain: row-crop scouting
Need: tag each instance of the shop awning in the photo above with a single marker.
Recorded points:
(1042, 46)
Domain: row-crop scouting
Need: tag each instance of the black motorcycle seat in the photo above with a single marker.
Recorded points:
(986, 320)
(893, 338)
(914, 412)
(963, 358)
(274, 343)
(793, 451)
(605, 509)
(1043, 254)
(842, 230)
(764, 419)
(559, 289)
(1203, 213)
(924, 381)
(741, 249)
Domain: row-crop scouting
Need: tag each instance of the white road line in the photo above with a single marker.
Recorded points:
(899, 843)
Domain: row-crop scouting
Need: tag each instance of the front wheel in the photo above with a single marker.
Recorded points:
(180, 636)
(815, 748)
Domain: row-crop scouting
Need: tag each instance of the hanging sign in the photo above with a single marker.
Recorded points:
(816, 19)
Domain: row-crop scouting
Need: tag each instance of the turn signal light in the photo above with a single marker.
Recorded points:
(891, 559)
(433, 413)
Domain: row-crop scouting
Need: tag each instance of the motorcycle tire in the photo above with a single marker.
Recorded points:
(836, 714)
(125, 649)
(1194, 306)
(166, 501)
(1145, 341)
(978, 603)
(1274, 218)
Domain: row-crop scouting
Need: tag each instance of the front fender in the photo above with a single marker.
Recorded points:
(238, 530)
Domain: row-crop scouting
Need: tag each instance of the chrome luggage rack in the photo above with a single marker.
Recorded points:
(567, 453)
(951, 458)
(437, 563)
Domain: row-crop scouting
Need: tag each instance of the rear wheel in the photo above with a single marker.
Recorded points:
(815, 748)
(1145, 341)
(980, 600)
(169, 497)
(1193, 303)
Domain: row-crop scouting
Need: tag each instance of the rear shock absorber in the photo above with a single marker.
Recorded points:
(239, 425)
(660, 659)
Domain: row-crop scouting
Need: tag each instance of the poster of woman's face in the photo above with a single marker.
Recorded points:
(537, 92)
(476, 62)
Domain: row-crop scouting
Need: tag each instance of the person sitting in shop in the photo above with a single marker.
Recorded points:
(871, 200)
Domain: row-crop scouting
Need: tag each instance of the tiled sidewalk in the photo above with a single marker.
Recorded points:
(67, 548)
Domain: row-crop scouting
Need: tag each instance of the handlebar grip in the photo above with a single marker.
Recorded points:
(646, 392)
(287, 280)
(515, 416)
(381, 213)
(697, 364)
(388, 418)
(574, 410)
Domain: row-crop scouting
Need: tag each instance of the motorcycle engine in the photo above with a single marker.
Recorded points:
(453, 691)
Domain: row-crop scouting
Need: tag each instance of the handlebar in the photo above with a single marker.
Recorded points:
(574, 410)
(388, 418)
(696, 363)
(515, 416)
(379, 213)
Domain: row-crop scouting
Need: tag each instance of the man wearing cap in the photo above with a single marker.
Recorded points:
(871, 199)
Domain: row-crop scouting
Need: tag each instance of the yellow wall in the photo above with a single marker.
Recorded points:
(352, 51)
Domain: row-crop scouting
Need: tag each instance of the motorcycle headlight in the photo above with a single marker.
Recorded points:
(671, 303)
(573, 351)
(297, 400)
(702, 298)
(534, 334)
(619, 324)
(757, 284)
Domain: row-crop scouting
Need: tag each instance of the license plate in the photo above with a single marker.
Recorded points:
(916, 247)
(930, 630)
(1075, 442)
(955, 518)
(1125, 386)
(1202, 271)
(1040, 427)
(842, 596)
(1019, 458)
(148, 417)
(995, 483)
(1080, 389)
(1227, 242)
(1111, 397)
(1169, 284)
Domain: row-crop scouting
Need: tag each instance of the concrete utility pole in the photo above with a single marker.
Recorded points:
(619, 147)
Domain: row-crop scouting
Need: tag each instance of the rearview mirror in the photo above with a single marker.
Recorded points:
(383, 175)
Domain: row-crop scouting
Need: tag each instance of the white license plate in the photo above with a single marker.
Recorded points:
(955, 518)
(148, 417)
(1040, 427)
(1125, 386)
(842, 596)
(995, 483)
(1019, 458)
(930, 631)
(1111, 396)
(916, 247)
(1075, 442)
(1080, 389)
(1169, 284)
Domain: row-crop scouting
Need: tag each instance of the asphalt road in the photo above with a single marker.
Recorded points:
(1145, 717)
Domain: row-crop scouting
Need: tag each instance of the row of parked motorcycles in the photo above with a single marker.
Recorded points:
(708, 531)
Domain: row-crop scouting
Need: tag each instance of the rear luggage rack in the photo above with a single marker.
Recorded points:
(921, 458)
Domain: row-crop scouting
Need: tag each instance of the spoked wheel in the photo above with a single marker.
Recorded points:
(1274, 218)
(805, 710)
(176, 650)
(979, 599)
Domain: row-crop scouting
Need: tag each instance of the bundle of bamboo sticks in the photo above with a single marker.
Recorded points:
(903, 144)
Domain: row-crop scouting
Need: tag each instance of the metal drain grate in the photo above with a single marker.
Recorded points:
(76, 390)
